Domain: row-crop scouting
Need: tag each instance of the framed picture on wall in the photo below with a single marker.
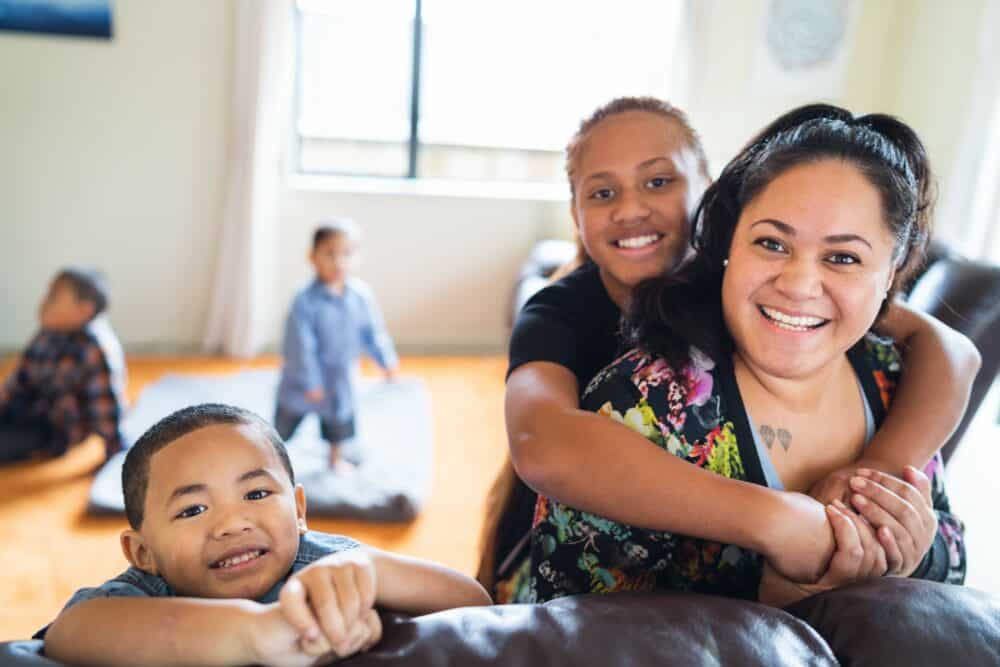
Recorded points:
(78, 18)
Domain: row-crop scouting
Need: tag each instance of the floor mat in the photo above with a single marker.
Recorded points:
(393, 446)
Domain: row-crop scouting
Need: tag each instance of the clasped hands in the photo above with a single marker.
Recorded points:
(324, 612)
(880, 524)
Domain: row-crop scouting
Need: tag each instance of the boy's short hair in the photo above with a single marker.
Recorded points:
(87, 284)
(336, 227)
(135, 471)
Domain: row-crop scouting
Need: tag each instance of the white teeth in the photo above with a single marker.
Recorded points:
(638, 241)
(236, 560)
(792, 323)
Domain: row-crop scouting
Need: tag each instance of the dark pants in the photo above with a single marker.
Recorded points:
(285, 423)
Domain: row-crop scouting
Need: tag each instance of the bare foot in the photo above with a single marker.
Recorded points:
(338, 463)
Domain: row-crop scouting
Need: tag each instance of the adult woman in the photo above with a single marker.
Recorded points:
(636, 168)
(800, 244)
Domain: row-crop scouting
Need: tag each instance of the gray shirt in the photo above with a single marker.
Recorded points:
(134, 582)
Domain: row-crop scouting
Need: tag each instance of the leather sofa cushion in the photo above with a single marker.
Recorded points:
(894, 621)
(622, 629)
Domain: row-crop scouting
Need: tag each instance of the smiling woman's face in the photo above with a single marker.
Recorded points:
(635, 181)
(809, 265)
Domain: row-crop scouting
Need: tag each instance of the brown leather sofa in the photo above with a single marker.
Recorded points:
(881, 623)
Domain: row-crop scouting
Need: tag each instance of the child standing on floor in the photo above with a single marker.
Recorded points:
(70, 381)
(330, 323)
(224, 570)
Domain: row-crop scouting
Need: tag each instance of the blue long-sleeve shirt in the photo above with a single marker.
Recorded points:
(325, 335)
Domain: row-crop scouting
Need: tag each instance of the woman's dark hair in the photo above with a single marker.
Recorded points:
(669, 313)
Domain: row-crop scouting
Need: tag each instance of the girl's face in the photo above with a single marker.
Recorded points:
(636, 182)
(809, 265)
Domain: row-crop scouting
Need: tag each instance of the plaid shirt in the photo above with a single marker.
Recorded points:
(66, 380)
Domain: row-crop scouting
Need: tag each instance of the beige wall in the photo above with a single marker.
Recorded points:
(912, 58)
(113, 154)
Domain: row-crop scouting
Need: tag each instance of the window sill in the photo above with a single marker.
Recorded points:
(541, 192)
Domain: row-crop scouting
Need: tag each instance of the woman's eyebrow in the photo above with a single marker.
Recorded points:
(785, 228)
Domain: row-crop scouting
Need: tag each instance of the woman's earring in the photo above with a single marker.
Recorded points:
(725, 262)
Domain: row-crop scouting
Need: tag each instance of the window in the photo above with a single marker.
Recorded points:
(468, 89)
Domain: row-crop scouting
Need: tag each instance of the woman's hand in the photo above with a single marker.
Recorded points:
(902, 513)
(858, 556)
(836, 485)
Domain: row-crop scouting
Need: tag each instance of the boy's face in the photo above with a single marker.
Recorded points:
(333, 258)
(60, 310)
(222, 519)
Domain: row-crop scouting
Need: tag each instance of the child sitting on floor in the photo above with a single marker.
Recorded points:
(224, 570)
(69, 383)
(331, 321)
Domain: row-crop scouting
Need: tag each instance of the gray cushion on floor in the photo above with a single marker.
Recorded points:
(393, 445)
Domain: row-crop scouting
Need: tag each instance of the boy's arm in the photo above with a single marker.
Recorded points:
(940, 365)
(101, 405)
(417, 586)
(172, 632)
(375, 336)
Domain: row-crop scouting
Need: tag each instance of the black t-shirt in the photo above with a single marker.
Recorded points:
(574, 323)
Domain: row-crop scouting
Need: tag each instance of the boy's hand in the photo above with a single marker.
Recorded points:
(315, 395)
(902, 512)
(275, 643)
(331, 604)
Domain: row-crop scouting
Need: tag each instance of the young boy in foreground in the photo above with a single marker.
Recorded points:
(223, 569)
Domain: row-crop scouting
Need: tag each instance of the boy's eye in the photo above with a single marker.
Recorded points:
(188, 512)
(258, 494)
(602, 194)
(770, 244)
(843, 258)
(658, 182)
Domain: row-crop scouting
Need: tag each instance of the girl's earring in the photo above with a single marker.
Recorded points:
(725, 262)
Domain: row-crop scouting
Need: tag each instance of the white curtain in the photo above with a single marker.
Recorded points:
(971, 203)
(242, 300)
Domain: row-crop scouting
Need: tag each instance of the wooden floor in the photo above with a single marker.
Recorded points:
(51, 546)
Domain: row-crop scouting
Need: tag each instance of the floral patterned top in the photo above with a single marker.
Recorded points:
(696, 414)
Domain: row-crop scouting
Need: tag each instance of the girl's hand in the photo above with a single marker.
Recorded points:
(801, 543)
(902, 513)
(858, 556)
